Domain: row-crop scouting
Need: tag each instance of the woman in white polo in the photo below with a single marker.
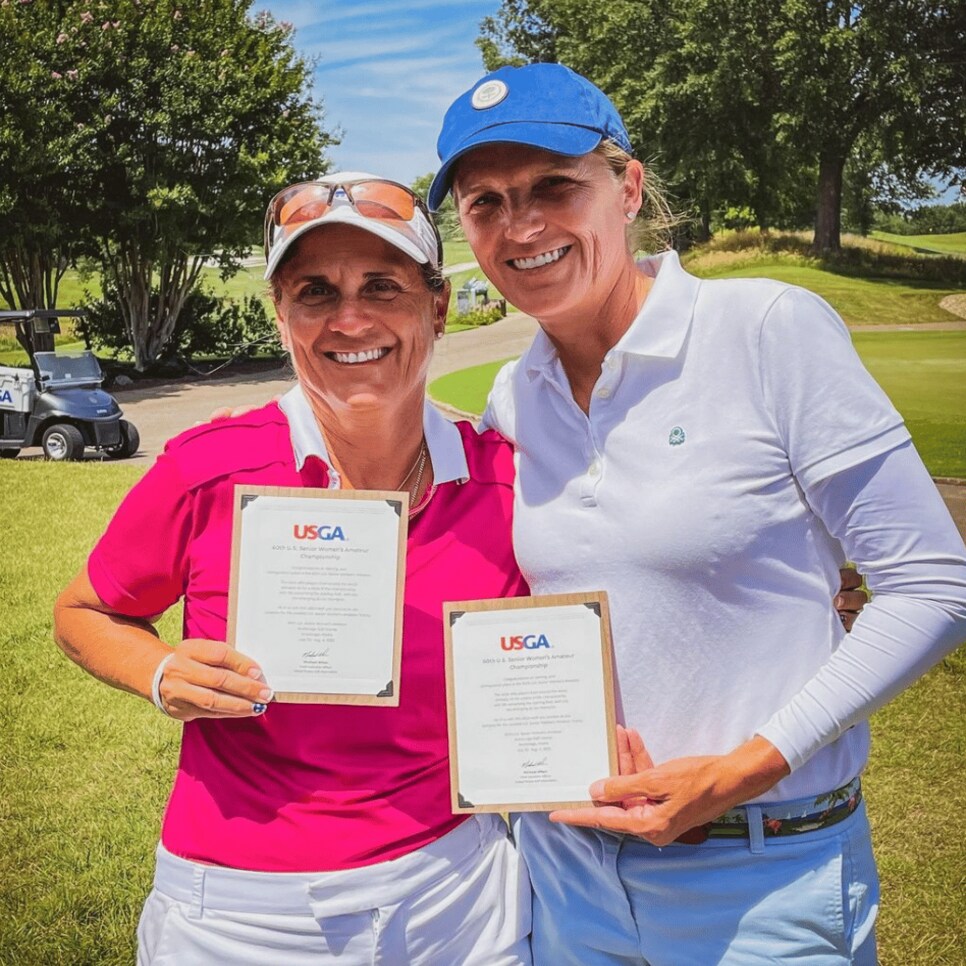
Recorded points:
(708, 452)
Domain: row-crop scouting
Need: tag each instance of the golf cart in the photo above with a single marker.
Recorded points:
(58, 402)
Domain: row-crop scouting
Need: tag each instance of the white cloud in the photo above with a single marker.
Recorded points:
(386, 73)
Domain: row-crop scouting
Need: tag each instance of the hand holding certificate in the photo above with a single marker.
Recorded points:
(531, 704)
(316, 591)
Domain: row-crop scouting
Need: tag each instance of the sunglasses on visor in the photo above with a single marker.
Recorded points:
(372, 198)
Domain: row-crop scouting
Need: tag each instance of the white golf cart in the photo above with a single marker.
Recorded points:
(58, 403)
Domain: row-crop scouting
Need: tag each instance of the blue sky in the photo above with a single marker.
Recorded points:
(386, 72)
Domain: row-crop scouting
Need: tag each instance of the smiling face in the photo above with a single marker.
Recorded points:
(548, 230)
(358, 318)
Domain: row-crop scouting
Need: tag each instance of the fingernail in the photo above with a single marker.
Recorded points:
(256, 673)
(259, 708)
(266, 694)
(597, 790)
(839, 602)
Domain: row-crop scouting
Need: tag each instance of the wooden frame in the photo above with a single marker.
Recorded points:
(596, 601)
(389, 696)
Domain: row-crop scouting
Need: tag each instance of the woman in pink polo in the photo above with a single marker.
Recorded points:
(303, 833)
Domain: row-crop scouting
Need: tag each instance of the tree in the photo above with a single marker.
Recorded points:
(746, 102)
(43, 211)
(889, 72)
(446, 218)
(182, 119)
(519, 34)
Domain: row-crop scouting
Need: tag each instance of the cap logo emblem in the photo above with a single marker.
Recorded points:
(677, 436)
(489, 94)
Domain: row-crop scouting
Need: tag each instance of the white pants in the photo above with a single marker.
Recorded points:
(461, 900)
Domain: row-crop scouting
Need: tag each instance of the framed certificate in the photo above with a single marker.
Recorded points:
(530, 695)
(316, 593)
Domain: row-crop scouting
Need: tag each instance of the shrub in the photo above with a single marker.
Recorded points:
(230, 329)
(484, 315)
(924, 220)
(859, 258)
(207, 326)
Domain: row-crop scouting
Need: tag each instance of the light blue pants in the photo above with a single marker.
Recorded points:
(608, 899)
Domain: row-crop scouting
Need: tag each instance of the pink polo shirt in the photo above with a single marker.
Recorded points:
(308, 788)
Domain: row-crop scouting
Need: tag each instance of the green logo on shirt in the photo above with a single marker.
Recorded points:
(677, 436)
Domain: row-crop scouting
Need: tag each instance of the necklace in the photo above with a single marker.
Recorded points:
(418, 468)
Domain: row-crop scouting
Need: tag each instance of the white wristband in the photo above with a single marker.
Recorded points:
(156, 684)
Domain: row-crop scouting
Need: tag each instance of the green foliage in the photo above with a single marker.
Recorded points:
(231, 328)
(734, 217)
(43, 208)
(482, 315)
(167, 125)
(446, 218)
(925, 220)
(749, 103)
(519, 34)
(208, 325)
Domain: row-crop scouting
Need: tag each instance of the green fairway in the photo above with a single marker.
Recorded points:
(923, 373)
(467, 389)
(86, 770)
(860, 301)
(952, 244)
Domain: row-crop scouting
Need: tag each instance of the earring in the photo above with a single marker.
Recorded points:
(629, 215)
(439, 335)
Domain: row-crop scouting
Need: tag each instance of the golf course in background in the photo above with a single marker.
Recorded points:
(923, 372)
(954, 244)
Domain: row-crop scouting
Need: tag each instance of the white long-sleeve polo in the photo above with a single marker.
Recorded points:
(734, 446)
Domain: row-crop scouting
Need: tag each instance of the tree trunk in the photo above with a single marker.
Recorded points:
(151, 317)
(703, 229)
(828, 217)
(29, 280)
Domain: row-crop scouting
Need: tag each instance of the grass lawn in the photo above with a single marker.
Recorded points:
(86, 770)
(951, 244)
(467, 389)
(860, 301)
(924, 374)
(457, 251)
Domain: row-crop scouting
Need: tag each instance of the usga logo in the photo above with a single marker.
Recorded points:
(323, 532)
(5, 396)
(520, 641)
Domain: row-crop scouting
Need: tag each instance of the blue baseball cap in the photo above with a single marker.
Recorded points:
(545, 106)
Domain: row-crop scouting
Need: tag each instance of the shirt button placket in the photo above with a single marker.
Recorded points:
(595, 469)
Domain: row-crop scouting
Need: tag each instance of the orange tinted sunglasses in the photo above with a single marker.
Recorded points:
(372, 198)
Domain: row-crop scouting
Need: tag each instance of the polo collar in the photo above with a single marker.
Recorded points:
(664, 320)
(442, 438)
(659, 328)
